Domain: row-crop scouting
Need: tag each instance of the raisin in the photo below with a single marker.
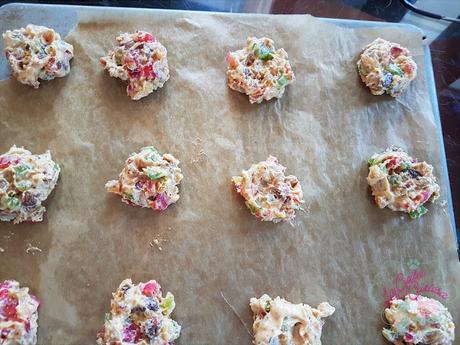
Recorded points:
(413, 173)
(29, 200)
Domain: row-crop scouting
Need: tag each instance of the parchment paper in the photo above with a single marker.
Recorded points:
(344, 250)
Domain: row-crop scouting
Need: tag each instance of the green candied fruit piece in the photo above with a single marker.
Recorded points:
(389, 335)
(252, 206)
(176, 329)
(395, 70)
(420, 211)
(155, 174)
(283, 80)
(393, 179)
(107, 317)
(56, 167)
(264, 53)
(150, 148)
(406, 165)
(11, 202)
(268, 306)
(373, 161)
(21, 170)
(167, 305)
(23, 185)
(153, 157)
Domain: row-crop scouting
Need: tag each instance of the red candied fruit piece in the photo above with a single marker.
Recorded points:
(9, 307)
(135, 74)
(395, 51)
(391, 163)
(146, 37)
(151, 288)
(6, 161)
(148, 73)
(132, 333)
(408, 337)
(231, 60)
(48, 37)
(161, 202)
(149, 187)
(101, 333)
(4, 333)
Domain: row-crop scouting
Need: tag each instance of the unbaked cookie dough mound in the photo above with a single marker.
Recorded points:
(258, 70)
(37, 52)
(148, 179)
(418, 320)
(279, 322)
(140, 60)
(26, 180)
(140, 315)
(18, 314)
(401, 183)
(268, 193)
(386, 67)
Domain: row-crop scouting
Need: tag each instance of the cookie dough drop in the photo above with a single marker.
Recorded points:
(386, 67)
(418, 320)
(148, 179)
(18, 314)
(140, 315)
(279, 322)
(401, 183)
(26, 180)
(140, 60)
(259, 70)
(268, 193)
(37, 52)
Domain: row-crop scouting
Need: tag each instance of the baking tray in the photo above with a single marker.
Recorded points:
(69, 273)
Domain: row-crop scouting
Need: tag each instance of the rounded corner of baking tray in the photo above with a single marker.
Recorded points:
(10, 5)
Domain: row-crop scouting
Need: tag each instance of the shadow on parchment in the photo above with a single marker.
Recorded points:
(31, 112)
(16, 241)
